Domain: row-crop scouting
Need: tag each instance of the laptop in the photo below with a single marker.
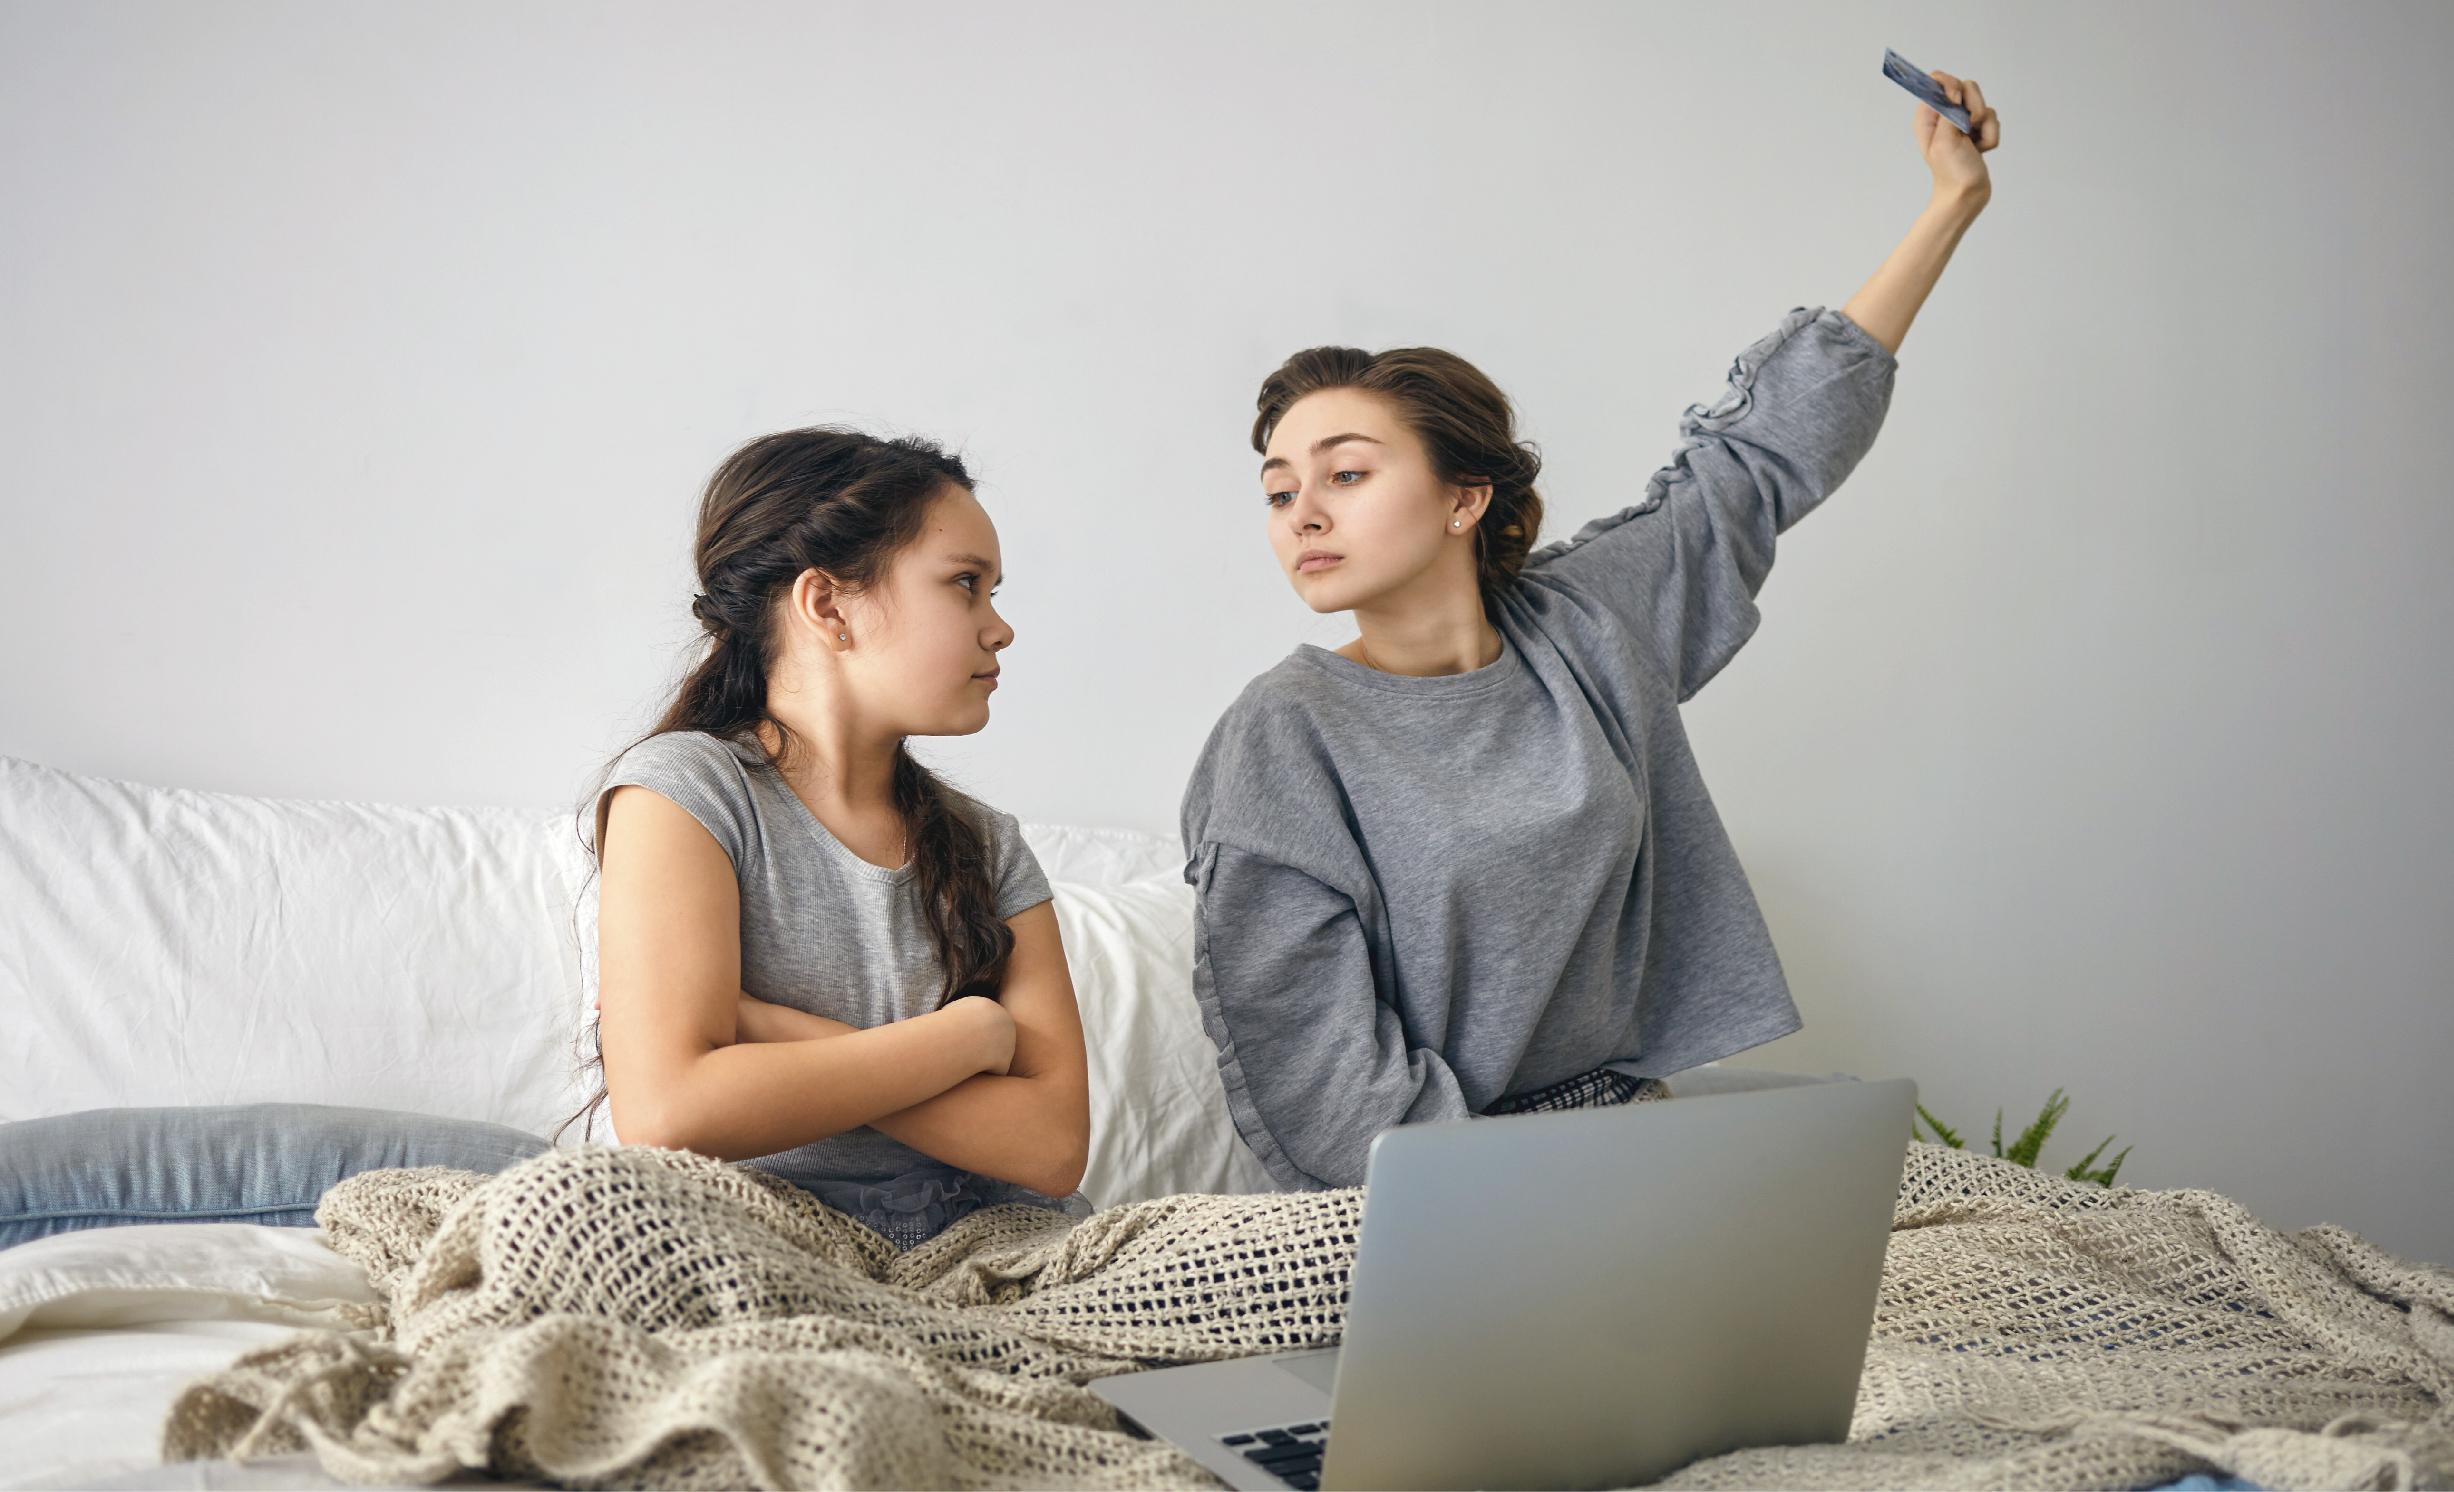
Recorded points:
(1591, 1298)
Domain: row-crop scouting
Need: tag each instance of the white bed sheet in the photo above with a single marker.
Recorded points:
(101, 1329)
(84, 1407)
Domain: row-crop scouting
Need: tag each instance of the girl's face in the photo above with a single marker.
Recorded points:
(1358, 516)
(925, 639)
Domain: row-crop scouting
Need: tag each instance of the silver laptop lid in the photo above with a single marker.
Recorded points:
(1594, 1298)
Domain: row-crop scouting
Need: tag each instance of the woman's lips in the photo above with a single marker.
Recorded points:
(1316, 559)
(989, 678)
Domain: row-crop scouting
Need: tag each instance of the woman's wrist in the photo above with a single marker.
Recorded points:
(1957, 205)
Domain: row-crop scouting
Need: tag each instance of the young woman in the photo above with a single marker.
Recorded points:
(1466, 864)
(814, 957)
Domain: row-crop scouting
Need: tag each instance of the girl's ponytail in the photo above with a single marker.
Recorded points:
(958, 890)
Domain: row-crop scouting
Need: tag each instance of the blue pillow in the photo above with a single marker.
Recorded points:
(246, 1163)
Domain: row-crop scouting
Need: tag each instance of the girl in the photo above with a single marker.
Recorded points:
(1466, 864)
(815, 957)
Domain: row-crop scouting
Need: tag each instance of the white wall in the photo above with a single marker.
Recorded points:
(358, 364)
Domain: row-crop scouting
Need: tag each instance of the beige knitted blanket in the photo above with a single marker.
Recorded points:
(636, 1318)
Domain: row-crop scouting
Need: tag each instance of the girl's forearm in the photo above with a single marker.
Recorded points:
(1032, 1131)
(758, 1020)
(759, 1097)
(1027, 1119)
(1889, 301)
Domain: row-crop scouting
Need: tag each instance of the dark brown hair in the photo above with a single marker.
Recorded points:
(1466, 424)
(845, 503)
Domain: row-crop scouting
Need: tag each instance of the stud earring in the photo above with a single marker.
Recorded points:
(1453, 523)
(843, 637)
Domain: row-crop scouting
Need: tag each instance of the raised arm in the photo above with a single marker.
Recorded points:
(1887, 303)
(669, 955)
(1682, 568)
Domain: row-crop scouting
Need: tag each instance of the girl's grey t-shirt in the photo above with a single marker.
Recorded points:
(1420, 895)
(823, 930)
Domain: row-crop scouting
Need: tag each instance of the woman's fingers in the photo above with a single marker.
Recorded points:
(1984, 124)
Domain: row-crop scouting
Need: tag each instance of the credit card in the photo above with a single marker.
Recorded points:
(1929, 92)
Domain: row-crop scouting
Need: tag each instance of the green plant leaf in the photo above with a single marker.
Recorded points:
(2031, 1141)
(2105, 1176)
(2079, 1172)
(1943, 1132)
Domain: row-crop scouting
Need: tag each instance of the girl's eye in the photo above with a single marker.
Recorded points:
(1347, 478)
(1278, 499)
(969, 582)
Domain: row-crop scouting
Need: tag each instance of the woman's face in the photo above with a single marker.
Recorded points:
(1358, 515)
(925, 639)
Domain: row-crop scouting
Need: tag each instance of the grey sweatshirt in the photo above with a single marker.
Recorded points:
(1420, 895)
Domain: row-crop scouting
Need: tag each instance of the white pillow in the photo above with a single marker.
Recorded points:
(1102, 857)
(1159, 1122)
(119, 1277)
(163, 947)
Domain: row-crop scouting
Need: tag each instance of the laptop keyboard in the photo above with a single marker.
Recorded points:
(1291, 1453)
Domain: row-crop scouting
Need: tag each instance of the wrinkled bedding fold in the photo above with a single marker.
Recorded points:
(625, 1317)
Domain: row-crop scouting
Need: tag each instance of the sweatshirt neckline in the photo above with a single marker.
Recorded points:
(1436, 686)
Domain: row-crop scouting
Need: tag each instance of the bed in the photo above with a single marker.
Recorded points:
(176, 948)
(169, 947)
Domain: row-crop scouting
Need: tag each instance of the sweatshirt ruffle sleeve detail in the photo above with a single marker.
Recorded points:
(1314, 1063)
(1830, 384)
(1683, 566)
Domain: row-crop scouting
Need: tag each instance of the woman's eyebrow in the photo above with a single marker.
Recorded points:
(976, 562)
(1318, 446)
